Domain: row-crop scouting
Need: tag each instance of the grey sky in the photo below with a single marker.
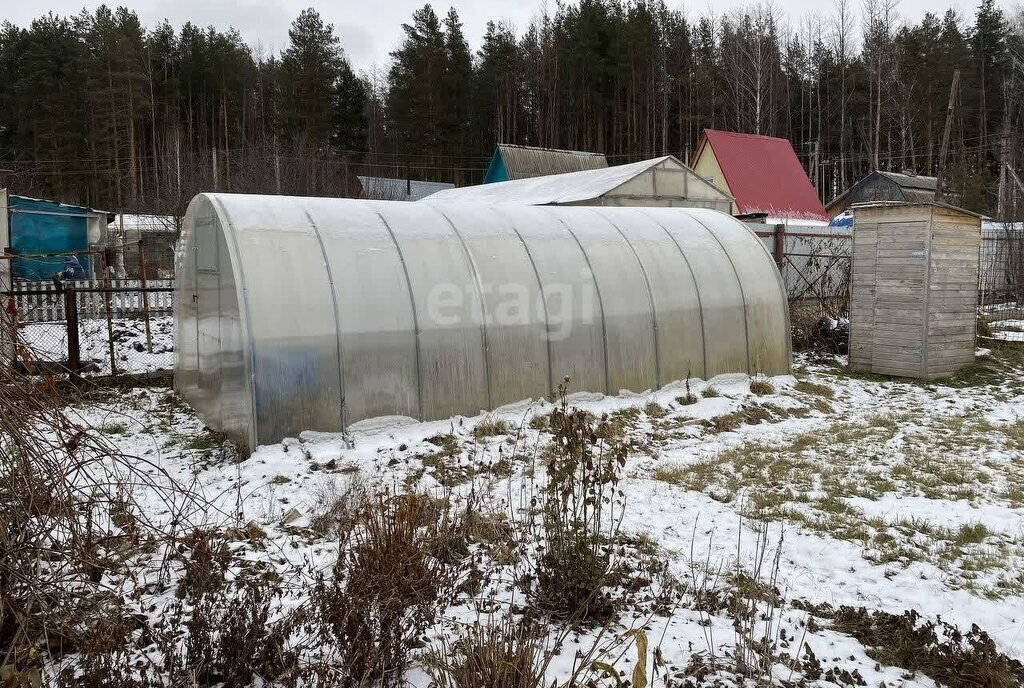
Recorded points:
(369, 30)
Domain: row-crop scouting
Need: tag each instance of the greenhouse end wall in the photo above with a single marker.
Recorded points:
(312, 313)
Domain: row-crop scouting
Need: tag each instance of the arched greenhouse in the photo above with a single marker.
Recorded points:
(314, 313)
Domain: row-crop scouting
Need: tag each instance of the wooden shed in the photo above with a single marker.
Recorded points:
(913, 288)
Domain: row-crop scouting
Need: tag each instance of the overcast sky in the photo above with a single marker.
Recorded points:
(370, 30)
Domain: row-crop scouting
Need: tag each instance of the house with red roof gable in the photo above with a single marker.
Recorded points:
(762, 174)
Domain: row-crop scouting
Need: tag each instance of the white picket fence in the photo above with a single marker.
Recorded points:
(46, 303)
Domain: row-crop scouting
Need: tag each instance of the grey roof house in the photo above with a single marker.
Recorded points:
(881, 185)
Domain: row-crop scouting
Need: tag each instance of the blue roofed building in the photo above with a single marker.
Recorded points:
(51, 236)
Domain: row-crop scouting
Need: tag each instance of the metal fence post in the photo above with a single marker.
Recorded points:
(71, 318)
(145, 298)
(110, 320)
(779, 246)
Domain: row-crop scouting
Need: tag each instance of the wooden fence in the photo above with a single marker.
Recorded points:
(46, 302)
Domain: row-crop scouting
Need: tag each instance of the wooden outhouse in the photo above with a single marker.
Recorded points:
(913, 288)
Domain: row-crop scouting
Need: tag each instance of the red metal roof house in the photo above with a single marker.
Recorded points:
(762, 173)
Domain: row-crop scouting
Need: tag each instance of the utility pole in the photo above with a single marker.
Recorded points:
(953, 88)
(817, 167)
(1004, 144)
(277, 168)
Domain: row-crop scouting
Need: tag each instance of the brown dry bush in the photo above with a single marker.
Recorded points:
(386, 588)
(506, 653)
(226, 636)
(66, 521)
(937, 649)
(761, 386)
(689, 397)
(491, 427)
(579, 514)
(338, 506)
(105, 670)
(206, 566)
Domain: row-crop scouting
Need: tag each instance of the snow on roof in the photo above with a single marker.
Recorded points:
(552, 189)
(764, 175)
(387, 189)
(146, 223)
(70, 206)
(791, 222)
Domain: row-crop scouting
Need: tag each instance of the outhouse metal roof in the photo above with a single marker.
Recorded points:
(916, 204)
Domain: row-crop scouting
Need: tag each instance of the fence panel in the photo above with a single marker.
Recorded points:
(43, 302)
(1001, 282)
(814, 262)
(121, 329)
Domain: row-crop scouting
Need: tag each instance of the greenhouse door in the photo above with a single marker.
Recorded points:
(207, 300)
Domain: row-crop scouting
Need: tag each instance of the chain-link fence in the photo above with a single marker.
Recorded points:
(1001, 282)
(86, 328)
(815, 266)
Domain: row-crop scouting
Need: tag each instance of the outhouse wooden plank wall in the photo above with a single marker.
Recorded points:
(913, 289)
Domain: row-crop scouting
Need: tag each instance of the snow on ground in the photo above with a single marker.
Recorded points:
(48, 342)
(891, 495)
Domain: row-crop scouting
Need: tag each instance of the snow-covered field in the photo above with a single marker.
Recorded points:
(883, 494)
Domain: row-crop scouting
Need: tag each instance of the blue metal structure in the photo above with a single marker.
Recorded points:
(496, 171)
(47, 228)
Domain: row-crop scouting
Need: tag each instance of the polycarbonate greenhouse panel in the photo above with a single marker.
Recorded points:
(721, 299)
(292, 332)
(571, 304)
(376, 321)
(313, 314)
(754, 269)
(452, 375)
(674, 298)
(515, 329)
(624, 300)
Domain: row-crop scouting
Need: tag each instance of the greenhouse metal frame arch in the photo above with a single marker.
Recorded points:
(300, 314)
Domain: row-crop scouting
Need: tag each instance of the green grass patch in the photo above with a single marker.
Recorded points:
(207, 439)
(114, 428)
(818, 390)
